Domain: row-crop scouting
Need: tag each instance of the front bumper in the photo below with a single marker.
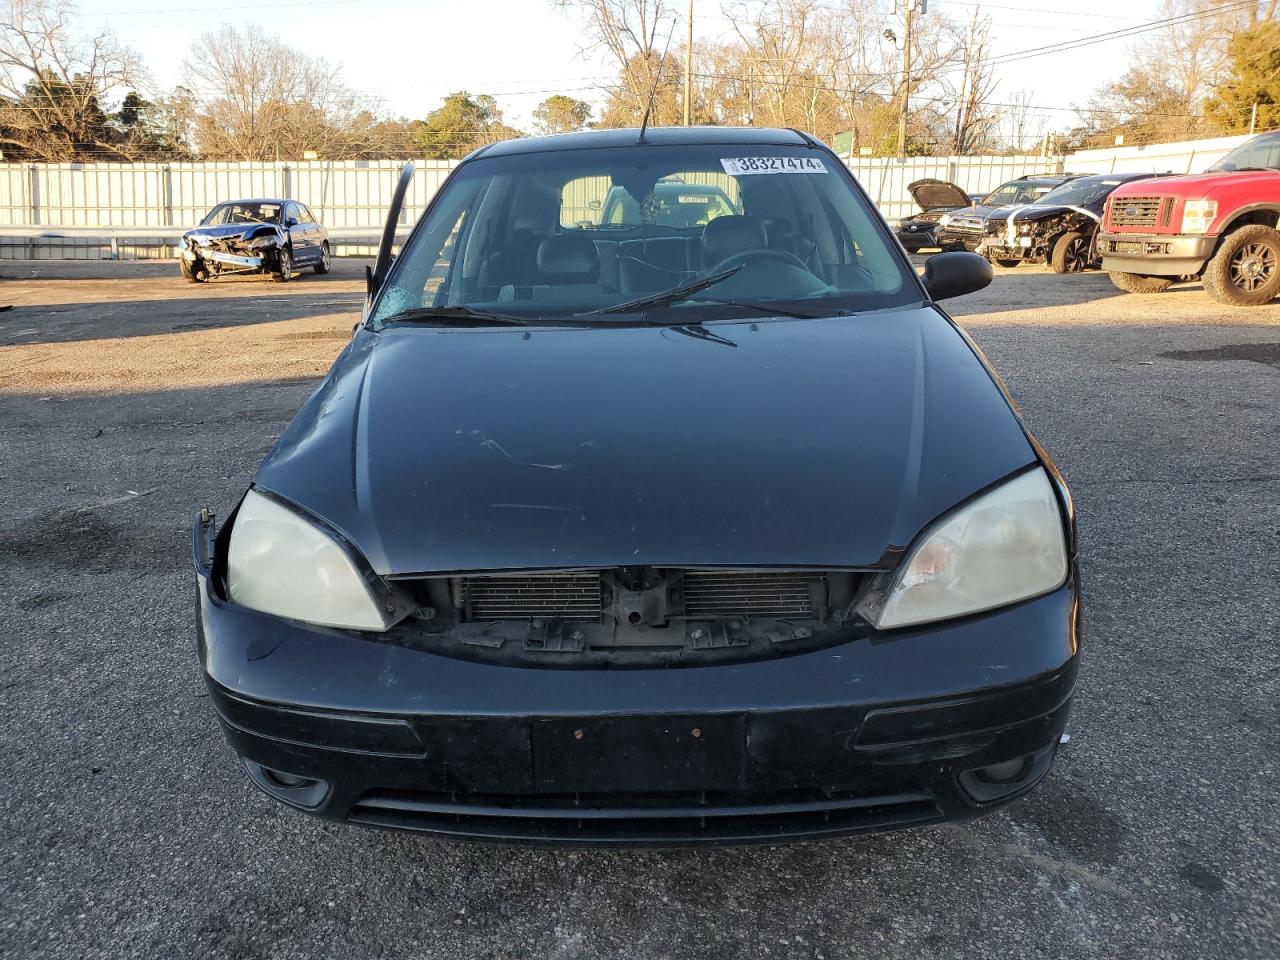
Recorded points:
(870, 735)
(1153, 254)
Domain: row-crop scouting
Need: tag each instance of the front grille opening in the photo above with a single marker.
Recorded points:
(639, 616)
(1136, 211)
(728, 593)
(572, 597)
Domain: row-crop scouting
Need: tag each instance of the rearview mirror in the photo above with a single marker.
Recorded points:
(949, 275)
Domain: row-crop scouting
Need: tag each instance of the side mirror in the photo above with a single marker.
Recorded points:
(291, 221)
(949, 275)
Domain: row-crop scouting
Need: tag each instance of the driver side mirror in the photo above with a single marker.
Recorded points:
(291, 221)
(949, 275)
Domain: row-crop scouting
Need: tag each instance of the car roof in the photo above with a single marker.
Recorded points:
(654, 136)
(255, 200)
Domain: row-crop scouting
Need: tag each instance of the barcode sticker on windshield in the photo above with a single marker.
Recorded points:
(742, 166)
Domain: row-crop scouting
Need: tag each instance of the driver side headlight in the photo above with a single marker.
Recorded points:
(1007, 545)
(282, 564)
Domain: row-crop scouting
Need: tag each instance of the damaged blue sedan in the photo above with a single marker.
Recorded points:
(273, 237)
(657, 527)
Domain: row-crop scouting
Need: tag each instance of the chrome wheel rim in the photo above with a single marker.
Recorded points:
(1253, 267)
(324, 256)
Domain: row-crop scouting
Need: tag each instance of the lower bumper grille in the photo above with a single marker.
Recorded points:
(643, 819)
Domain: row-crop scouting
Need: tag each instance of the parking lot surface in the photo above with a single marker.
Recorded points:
(129, 399)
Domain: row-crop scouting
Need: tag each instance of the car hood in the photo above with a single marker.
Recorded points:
(826, 442)
(1199, 184)
(231, 231)
(938, 195)
(1035, 211)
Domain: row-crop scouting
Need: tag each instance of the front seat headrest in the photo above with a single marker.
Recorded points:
(569, 258)
(725, 236)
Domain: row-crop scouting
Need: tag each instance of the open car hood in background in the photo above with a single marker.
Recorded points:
(826, 443)
(938, 195)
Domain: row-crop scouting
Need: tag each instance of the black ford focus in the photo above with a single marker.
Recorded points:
(625, 523)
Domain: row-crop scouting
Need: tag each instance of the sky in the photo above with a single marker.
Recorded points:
(409, 54)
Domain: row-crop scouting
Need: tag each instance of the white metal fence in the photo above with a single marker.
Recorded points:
(94, 210)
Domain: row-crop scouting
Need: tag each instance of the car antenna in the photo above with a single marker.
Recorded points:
(653, 89)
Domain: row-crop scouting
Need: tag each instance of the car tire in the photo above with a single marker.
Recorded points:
(323, 266)
(193, 274)
(284, 266)
(1008, 264)
(1070, 253)
(1140, 282)
(1245, 272)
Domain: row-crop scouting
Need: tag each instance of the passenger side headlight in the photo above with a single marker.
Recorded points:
(1007, 545)
(282, 564)
(1198, 215)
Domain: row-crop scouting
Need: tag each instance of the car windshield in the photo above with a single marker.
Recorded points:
(568, 232)
(1081, 192)
(241, 212)
(1015, 193)
(1260, 153)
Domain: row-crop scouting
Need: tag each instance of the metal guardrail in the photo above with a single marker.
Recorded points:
(143, 243)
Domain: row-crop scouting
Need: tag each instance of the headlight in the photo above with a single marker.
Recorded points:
(1006, 546)
(1198, 215)
(944, 219)
(281, 564)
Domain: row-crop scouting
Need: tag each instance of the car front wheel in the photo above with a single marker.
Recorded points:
(1245, 272)
(284, 266)
(1070, 253)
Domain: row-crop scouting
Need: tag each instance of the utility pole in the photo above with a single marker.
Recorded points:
(909, 12)
(1253, 118)
(688, 68)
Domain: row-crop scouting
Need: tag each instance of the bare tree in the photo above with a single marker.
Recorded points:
(54, 84)
(635, 34)
(976, 118)
(260, 99)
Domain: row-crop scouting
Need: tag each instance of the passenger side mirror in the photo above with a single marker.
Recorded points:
(949, 275)
(291, 221)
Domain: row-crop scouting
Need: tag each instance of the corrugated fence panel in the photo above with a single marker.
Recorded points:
(356, 193)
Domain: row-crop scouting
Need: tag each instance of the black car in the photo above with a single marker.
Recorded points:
(934, 197)
(639, 533)
(1058, 229)
(270, 236)
(965, 229)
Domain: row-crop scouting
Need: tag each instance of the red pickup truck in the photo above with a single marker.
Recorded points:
(1222, 226)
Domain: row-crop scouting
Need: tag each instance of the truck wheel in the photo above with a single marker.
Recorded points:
(284, 266)
(1140, 282)
(1245, 272)
(1070, 253)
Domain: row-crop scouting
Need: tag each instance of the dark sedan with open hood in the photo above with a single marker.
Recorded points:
(653, 529)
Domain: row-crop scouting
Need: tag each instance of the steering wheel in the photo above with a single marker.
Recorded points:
(759, 253)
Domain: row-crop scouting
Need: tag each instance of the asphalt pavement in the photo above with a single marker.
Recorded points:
(128, 400)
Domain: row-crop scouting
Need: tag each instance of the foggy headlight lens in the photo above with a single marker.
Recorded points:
(279, 563)
(1006, 546)
(1198, 215)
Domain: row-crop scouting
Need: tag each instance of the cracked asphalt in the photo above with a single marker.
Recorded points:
(128, 400)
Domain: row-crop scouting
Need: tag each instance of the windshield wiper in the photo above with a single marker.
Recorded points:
(674, 295)
(767, 308)
(457, 313)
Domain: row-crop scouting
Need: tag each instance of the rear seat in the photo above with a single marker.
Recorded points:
(656, 263)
